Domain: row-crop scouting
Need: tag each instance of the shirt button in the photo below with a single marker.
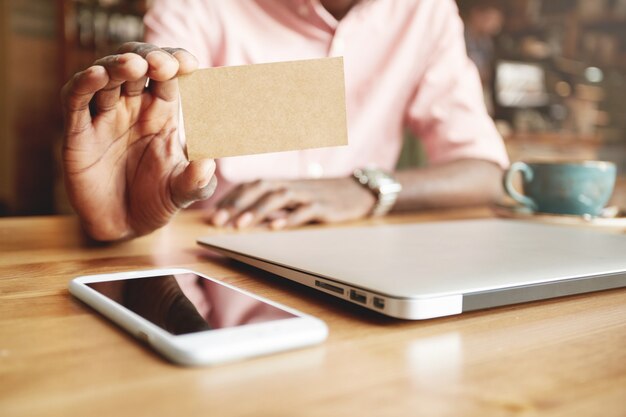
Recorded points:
(315, 170)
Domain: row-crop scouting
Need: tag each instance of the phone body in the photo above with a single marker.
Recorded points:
(192, 319)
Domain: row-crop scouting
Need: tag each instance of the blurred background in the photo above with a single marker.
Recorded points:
(553, 71)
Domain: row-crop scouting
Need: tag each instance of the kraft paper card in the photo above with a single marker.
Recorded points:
(253, 109)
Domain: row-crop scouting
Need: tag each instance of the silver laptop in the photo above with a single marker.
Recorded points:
(426, 270)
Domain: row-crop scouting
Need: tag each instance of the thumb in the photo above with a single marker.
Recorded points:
(196, 182)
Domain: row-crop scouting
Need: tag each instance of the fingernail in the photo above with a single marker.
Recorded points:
(244, 220)
(95, 70)
(221, 217)
(278, 224)
(203, 183)
(208, 171)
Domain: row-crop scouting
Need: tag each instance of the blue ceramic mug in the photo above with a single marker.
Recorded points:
(578, 188)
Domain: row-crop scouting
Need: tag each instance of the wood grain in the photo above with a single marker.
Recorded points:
(560, 357)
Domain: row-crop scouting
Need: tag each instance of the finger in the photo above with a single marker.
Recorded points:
(78, 93)
(121, 69)
(260, 211)
(278, 214)
(220, 214)
(187, 63)
(240, 199)
(196, 182)
(306, 213)
(163, 67)
(135, 88)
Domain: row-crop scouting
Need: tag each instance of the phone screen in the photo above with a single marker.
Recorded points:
(188, 303)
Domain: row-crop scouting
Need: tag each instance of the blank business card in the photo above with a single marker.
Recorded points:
(260, 108)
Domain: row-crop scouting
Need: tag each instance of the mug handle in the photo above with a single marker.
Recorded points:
(527, 173)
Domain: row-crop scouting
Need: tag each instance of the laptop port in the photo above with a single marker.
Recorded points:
(329, 287)
(379, 303)
(358, 297)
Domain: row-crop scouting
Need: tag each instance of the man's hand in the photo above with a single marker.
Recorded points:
(125, 168)
(282, 204)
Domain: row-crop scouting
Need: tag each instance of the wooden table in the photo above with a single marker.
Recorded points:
(564, 357)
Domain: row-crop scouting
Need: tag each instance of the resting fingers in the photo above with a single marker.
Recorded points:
(301, 215)
(260, 202)
(264, 208)
(237, 201)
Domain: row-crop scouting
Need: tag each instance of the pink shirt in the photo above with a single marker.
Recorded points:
(405, 66)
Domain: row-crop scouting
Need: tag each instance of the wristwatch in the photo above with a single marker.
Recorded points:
(382, 185)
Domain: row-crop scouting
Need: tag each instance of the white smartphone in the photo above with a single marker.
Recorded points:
(196, 320)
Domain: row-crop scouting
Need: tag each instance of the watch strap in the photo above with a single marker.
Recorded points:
(382, 184)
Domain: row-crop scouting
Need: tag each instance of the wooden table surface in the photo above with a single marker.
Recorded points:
(563, 357)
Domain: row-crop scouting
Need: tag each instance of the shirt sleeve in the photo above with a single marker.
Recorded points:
(447, 110)
(187, 24)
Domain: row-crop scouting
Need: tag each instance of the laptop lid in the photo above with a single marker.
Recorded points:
(425, 270)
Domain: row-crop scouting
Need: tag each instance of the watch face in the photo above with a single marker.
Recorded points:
(384, 183)
(390, 188)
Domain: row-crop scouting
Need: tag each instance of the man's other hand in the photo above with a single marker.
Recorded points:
(285, 204)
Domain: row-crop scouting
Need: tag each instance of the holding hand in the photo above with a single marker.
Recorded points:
(126, 172)
(282, 204)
